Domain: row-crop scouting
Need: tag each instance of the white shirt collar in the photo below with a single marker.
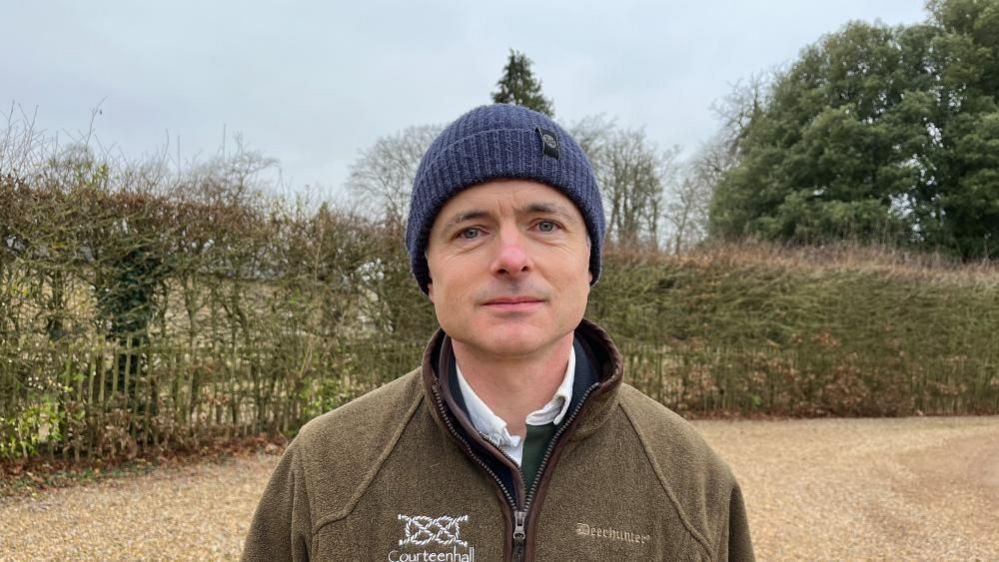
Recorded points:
(493, 428)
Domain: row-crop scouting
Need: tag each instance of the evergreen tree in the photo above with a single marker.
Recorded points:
(880, 134)
(519, 86)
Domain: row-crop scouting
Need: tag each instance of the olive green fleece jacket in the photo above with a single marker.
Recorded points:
(396, 475)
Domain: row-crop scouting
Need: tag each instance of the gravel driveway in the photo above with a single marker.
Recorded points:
(914, 488)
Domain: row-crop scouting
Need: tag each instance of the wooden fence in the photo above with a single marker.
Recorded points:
(793, 382)
(97, 399)
(106, 400)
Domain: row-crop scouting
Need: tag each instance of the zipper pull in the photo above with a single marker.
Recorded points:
(519, 534)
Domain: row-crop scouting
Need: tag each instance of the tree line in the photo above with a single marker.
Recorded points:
(143, 305)
(145, 309)
(875, 134)
(648, 204)
(148, 305)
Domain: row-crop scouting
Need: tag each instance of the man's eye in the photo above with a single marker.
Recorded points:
(469, 233)
(547, 226)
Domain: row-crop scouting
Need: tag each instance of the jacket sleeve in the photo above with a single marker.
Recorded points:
(282, 525)
(734, 542)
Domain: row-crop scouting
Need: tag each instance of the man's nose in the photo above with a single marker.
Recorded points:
(513, 259)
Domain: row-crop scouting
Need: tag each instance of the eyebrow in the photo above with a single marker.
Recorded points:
(465, 217)
(531, 209)
(550, 209)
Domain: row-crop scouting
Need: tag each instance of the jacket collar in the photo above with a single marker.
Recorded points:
(495, 428)
(601, 363)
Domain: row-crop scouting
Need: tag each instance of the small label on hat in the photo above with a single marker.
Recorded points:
(549, 142)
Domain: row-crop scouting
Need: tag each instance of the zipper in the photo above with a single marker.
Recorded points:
(519, 535)
(551, 445)
(468, 449)
(520, 548)
(519, 515)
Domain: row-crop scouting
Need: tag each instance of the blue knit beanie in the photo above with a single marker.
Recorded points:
(501, 142)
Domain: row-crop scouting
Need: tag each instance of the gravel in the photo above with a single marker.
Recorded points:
(839, 489)
(852, 489)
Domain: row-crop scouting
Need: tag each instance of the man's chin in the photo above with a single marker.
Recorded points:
(511, 341)
(512, 349)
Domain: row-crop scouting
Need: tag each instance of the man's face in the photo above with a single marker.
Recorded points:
(509, 267)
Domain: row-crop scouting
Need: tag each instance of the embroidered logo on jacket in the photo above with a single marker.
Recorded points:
(584, 530)
(424, 531)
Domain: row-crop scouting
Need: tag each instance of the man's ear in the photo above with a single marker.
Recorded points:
(430, 288)
(591, 277)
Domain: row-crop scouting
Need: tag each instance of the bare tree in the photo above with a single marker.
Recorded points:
(691, 194)
(633, 172)
(636, 178)
(737, 109)
(592, 134)
(19, 143)
(230, 178)
(689, 201)
(381, 179)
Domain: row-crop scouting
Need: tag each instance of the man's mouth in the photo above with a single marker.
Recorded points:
(513, 304)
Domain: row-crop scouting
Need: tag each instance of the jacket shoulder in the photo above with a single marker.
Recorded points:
(665, 432)
(341, 451)
(697, 481)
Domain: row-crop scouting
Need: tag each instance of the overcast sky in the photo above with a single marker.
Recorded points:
(313, 83)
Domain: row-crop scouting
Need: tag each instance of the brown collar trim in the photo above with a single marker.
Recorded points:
(602, 402)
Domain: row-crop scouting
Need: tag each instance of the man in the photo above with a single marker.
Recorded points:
(516, 439)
